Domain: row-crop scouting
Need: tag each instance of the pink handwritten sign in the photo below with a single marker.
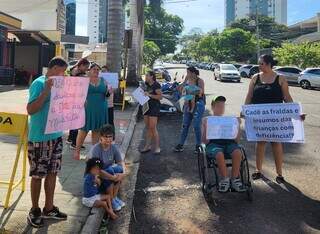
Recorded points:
(66, 111)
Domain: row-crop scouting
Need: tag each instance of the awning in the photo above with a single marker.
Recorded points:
(26, 37)
(72, 39)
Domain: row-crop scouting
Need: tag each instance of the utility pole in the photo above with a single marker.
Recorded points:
(257, 31)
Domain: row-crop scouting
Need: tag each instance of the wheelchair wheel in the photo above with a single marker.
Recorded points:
(201, 167)
(245, 176)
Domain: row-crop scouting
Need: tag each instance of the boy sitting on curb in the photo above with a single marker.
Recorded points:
(112, 172)
(223, 148)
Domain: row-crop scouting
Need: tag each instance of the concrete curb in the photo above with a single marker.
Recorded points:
(95, 217)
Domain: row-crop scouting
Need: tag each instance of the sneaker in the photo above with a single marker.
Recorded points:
(73, 147)
(120, 202)
(224, 185)
(178, 148)
(280, 179)
(54, 214)
(34, 218)
(115, 205)
(69, 142)
(237, 185)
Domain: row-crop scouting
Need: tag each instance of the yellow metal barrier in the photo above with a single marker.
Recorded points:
(15, 125)
(123, 86)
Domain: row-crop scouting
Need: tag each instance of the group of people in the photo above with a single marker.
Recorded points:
(104, 166)
(265, 87)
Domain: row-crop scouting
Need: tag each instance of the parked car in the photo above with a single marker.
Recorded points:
(254, 70)
(310, 78)
(244, 70)
(237, 65)
(290, 73)
(225, 72)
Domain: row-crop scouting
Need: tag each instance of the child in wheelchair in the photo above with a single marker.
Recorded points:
(221, 149)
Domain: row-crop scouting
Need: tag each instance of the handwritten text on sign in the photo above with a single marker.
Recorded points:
(68, 96)
(274, 122)
(222, 127)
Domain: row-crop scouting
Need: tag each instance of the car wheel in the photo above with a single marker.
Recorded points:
(243, 74)
(305, 84)
(220, 78)
(238, 81)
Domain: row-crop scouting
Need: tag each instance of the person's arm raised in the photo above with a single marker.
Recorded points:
(34, 106)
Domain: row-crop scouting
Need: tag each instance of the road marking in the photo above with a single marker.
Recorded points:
(169, 188)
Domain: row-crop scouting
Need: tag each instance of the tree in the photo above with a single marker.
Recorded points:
(151, 53)
(135, 53)
(301, 55)
(268, 28)
(162, 28)
(115, 12)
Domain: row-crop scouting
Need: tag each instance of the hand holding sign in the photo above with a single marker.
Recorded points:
(140, 96)
(222, 127)
(274, 122)
(68, 95)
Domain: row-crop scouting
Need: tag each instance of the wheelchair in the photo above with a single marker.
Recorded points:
(208, 172)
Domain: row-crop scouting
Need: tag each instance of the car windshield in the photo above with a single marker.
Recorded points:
(228, 67)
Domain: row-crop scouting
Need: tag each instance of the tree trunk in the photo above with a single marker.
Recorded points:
(135, 53)
(115, 17)
(132, 56)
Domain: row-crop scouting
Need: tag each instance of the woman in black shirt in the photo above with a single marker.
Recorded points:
(268, 87)
(151, 116)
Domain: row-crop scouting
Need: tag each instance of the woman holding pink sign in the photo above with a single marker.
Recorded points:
(95, 107)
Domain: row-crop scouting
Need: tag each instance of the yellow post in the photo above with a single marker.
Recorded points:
(123, 86)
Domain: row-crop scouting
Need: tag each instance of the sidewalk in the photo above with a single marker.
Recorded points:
(69, 181)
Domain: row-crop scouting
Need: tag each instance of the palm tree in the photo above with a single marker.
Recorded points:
(135, 53)
(114, 35)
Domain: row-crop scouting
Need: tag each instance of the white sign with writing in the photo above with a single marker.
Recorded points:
(279, 122)
(67, 99)
(138, 94)
(222, 127)
(111, 78)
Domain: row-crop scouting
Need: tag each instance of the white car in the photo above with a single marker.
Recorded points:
(291, 74)
(227, 72)
(245, 70)
(310, 78)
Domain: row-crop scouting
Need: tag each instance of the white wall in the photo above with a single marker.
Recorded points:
(281, 11)
(93, 21)
(35, 14)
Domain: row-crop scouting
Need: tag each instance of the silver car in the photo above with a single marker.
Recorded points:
(310, 78)
(227, 72)
(290, 73)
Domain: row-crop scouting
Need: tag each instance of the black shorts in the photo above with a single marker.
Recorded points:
(154, 111)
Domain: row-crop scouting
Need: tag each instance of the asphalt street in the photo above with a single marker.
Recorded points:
(168, 198)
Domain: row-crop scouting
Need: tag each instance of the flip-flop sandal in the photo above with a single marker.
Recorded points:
(280, 179)
(256, 175)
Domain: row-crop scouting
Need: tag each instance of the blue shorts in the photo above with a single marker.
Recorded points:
(213, 149)
(113, 169)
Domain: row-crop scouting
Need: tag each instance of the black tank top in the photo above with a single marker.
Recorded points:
(267, 93)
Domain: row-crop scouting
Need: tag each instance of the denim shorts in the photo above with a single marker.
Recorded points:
(213, 149)
(113, 169)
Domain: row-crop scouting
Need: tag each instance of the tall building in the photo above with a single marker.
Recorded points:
(70, 17)
(97, 21)
(237, 9)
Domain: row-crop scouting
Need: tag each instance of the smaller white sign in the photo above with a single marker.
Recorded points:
(138, 94)
(111, 78)
(222, 127)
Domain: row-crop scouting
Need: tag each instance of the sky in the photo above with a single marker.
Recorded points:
(208, 14)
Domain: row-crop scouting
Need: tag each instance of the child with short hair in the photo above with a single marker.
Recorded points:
(91, 197)
(220, 148)
(112, 172)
